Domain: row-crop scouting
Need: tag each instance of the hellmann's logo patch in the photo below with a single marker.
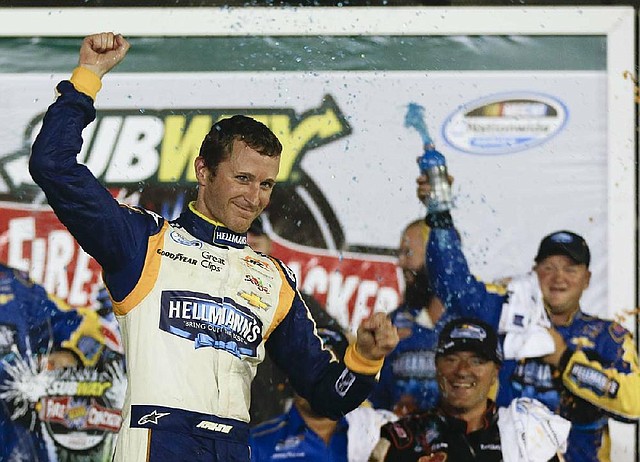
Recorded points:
(211, 322)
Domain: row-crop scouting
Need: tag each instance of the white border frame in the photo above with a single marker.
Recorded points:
(616, 23)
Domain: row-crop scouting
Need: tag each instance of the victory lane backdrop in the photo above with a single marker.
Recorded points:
(529, 106)
(348, 158)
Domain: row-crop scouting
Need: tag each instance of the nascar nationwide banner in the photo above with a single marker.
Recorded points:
(532, 108)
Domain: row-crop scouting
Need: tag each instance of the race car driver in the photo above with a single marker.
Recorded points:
(197, 306)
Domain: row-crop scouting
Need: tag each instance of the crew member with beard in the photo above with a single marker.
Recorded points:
(407, 380)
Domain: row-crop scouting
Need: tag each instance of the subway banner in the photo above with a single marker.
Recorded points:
(533, 109)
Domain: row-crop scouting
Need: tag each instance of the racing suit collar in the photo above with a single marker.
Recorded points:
(210, 231)
(572, 317)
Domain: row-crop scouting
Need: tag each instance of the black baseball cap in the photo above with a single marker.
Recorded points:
(469, 334)
(564, 243)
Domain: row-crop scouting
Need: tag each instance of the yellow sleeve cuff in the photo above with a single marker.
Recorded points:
(359, 364)
(86, 82)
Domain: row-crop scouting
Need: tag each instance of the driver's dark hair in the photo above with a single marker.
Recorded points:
(218, 143)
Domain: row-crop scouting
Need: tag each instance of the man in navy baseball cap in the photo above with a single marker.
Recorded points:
(564, 243)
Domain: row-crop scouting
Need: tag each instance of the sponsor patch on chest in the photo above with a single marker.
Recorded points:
(209, 321)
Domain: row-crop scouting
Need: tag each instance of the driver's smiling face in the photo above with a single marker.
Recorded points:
(240, 188)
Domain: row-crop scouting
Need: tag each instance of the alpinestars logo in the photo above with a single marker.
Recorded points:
(211, 322)
(152, 418)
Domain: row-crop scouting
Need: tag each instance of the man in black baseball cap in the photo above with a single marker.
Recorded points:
(562, 267)
(464, 425)
(564, 243)
(469, 334)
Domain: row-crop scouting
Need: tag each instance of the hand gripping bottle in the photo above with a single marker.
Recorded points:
(432, 163)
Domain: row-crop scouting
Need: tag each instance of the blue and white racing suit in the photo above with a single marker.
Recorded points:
(198, 308)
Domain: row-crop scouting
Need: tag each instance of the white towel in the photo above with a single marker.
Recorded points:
(524, 320)
(529, 432)
(364, 431)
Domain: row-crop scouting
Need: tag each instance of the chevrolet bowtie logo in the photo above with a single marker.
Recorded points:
(152, 418)
(254, 300)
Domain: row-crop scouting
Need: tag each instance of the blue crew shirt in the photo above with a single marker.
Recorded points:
(287, 437)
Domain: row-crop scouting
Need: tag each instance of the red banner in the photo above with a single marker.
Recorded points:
(349, 285)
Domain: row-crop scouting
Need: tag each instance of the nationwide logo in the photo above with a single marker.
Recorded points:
(505, 123)
(211, 322)
(126, 147)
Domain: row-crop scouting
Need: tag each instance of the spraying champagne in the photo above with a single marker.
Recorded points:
(432, 163)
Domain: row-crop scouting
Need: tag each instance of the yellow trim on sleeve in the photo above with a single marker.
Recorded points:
(285, 299)
(358, 363)
(148, 277)
(621, 397)
(86, 82)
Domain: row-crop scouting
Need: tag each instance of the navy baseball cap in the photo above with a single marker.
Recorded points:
(564, 243)
(469, 334)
